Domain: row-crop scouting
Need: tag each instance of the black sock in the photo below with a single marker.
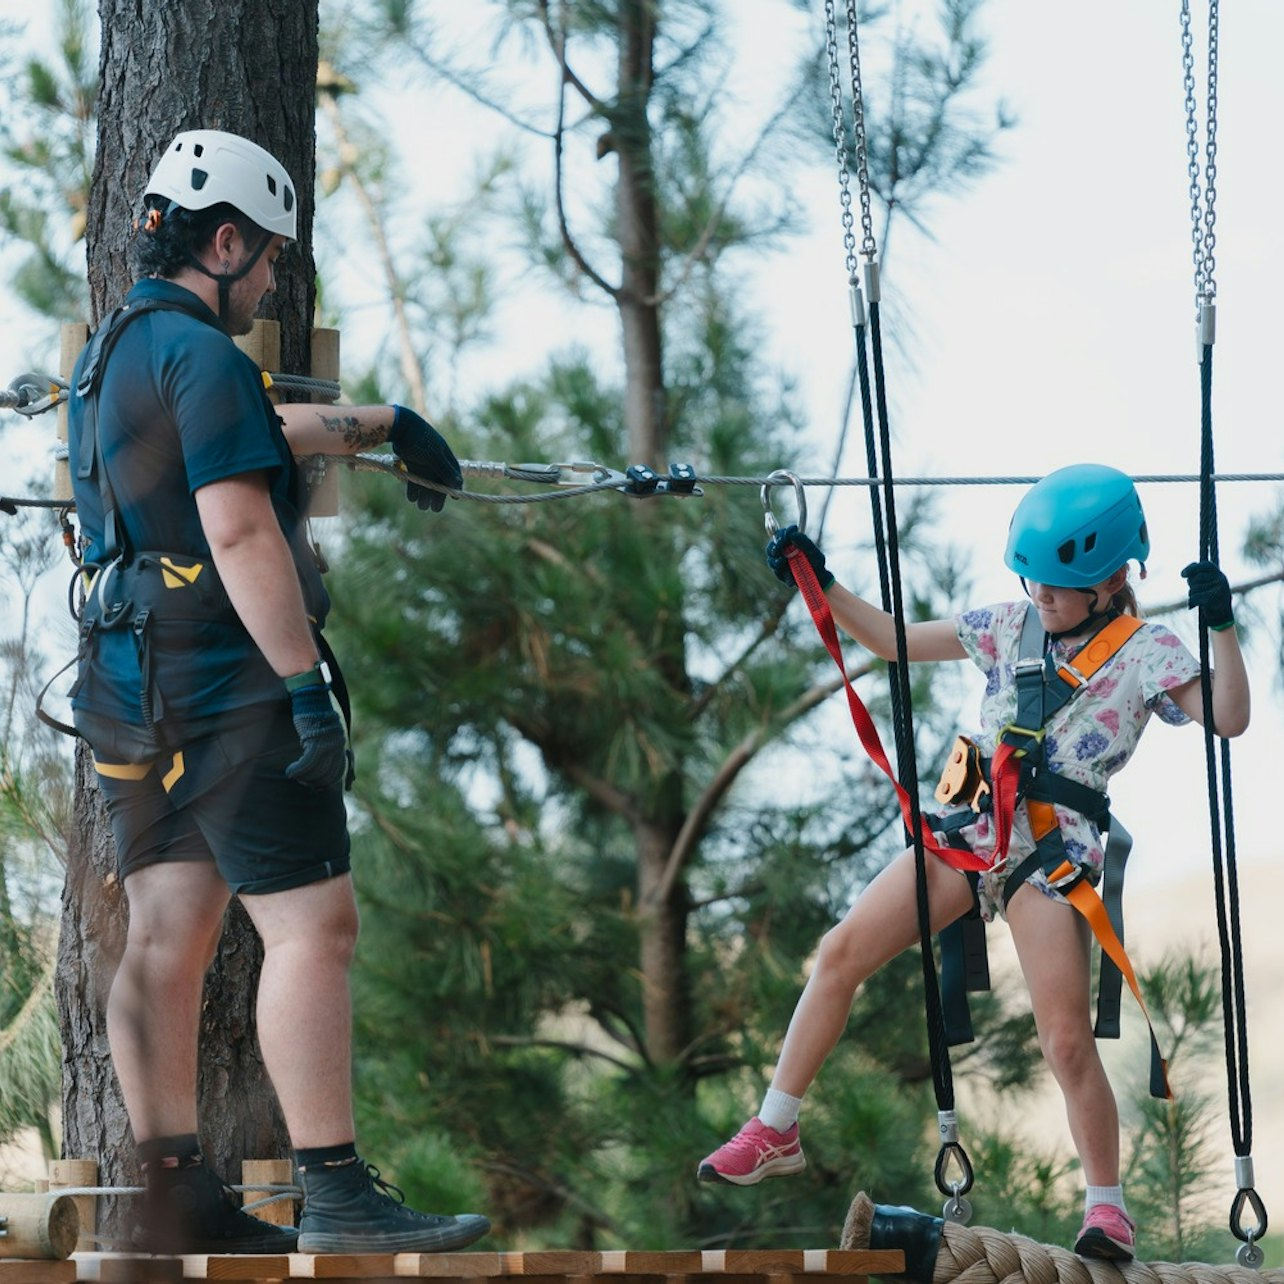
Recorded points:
(159, 1153)
(314, 1157)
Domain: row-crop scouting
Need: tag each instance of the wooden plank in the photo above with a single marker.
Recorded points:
(126, 1268)
(643, 1262)
(240, 1266)
(454, 1266)
(550, 1263)
(867, 1261)
(342, 1266)
(23, 1270)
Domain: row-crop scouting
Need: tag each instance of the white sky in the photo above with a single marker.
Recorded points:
(1053, 323)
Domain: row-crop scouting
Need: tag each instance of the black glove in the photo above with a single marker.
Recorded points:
(425, 453)
(1210, 591)
(778, 556)
(325, 760)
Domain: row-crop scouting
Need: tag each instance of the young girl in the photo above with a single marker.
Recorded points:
(1070, 541)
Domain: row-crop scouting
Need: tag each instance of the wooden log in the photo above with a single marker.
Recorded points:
(79, 1172)
(40, 1226)
(268, 1172)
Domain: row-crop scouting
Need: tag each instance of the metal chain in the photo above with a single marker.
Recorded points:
(1203, 222)
(868, 246)
(840, 139)
(1210, 157)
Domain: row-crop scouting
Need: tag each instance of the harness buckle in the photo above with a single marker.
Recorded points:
(1032, 734)
(1065, 877)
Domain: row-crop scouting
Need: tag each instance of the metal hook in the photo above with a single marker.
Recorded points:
(783, 477)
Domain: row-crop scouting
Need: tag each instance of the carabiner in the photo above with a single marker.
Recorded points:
(783, 477)
(37, 393)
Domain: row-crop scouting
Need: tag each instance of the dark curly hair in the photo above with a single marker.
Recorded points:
(166, 242)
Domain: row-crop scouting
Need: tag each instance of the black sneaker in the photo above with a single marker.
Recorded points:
(348, 1208)
(190, 1210)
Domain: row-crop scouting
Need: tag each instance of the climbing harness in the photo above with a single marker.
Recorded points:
(1217, 759)
(139, 592)
(1018, 772)
(883, 514)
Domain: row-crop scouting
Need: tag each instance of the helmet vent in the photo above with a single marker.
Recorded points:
(289, 199)
(1065, 552)
(271, 182)
(199, 177)
(198, 150)
(1090, 542)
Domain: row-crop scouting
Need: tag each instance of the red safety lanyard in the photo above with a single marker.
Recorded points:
(823, 618)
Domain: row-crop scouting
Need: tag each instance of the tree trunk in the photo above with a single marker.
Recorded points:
(247, 66)
(662, 915)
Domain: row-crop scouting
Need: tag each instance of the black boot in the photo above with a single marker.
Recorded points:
(347, 1208)
(188, 1209)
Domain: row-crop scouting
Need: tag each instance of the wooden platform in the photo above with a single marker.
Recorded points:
(732, 1266)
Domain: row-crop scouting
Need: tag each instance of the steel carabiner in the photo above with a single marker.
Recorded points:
(783, 477)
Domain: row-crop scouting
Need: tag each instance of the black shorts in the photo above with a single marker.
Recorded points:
(226, 798)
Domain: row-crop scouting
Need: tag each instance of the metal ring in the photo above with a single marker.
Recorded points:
(783, 477)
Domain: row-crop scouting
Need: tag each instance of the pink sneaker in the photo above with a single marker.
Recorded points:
(755, 1152)
(1108, 1234)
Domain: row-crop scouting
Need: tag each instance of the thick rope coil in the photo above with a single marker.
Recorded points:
(980, 1255)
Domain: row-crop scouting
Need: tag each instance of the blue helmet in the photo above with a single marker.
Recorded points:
(1077, 527)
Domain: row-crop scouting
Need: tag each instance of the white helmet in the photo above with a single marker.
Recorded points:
(205, 167)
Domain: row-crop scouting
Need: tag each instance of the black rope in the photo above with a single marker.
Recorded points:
(903, 724)
(1222, 835)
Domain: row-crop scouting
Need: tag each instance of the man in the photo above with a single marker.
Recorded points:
(202, 691)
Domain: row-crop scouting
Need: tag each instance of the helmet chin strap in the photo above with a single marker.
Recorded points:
(226, 280)
(1091, 620)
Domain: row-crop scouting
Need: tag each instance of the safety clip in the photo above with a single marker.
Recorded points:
(37, 393)
(1034, 735)
(783, 477)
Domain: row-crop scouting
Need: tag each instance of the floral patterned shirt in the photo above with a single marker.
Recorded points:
(1088, 739)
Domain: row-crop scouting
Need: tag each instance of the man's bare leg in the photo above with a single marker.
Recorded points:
(304, 1006)
(153, 1012)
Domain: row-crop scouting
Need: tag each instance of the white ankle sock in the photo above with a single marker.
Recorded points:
(1105, 1195)
(779, 1110)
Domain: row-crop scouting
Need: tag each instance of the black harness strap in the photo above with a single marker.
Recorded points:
(90, 463)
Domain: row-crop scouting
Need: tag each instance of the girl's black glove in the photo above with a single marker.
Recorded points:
(778, 556)
(1210, 591)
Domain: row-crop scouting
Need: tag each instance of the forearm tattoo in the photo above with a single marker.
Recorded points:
(355, 434)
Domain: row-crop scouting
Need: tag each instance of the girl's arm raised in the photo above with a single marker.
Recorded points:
(875, 629)
(1231, 701)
